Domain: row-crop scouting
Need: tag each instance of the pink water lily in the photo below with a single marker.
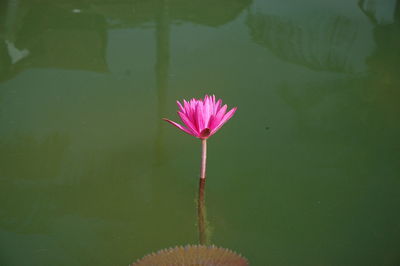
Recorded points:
(202, 117)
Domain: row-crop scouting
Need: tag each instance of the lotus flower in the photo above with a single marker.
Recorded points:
(202, 118)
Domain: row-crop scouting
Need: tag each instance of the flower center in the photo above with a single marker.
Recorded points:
(205, 133)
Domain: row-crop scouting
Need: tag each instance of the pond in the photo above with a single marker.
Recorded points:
(305, 173)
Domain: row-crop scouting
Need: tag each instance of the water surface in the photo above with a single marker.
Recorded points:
(305, 173)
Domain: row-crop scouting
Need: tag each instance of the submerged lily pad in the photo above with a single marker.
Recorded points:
(193, 255)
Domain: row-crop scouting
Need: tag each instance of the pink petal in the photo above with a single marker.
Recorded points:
(199, 116)
(187, 122)
(224, 120)
(186, 106)
(213, 105)
(218, 117)
(218, 106)
(179, 126)
(180, 106)
(207, 111)
(192, 107)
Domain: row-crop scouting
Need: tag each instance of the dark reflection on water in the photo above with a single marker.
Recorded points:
(73, 34)
(89, 174)
(324, 43)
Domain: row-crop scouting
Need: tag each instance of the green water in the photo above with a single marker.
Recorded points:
(305, 173)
